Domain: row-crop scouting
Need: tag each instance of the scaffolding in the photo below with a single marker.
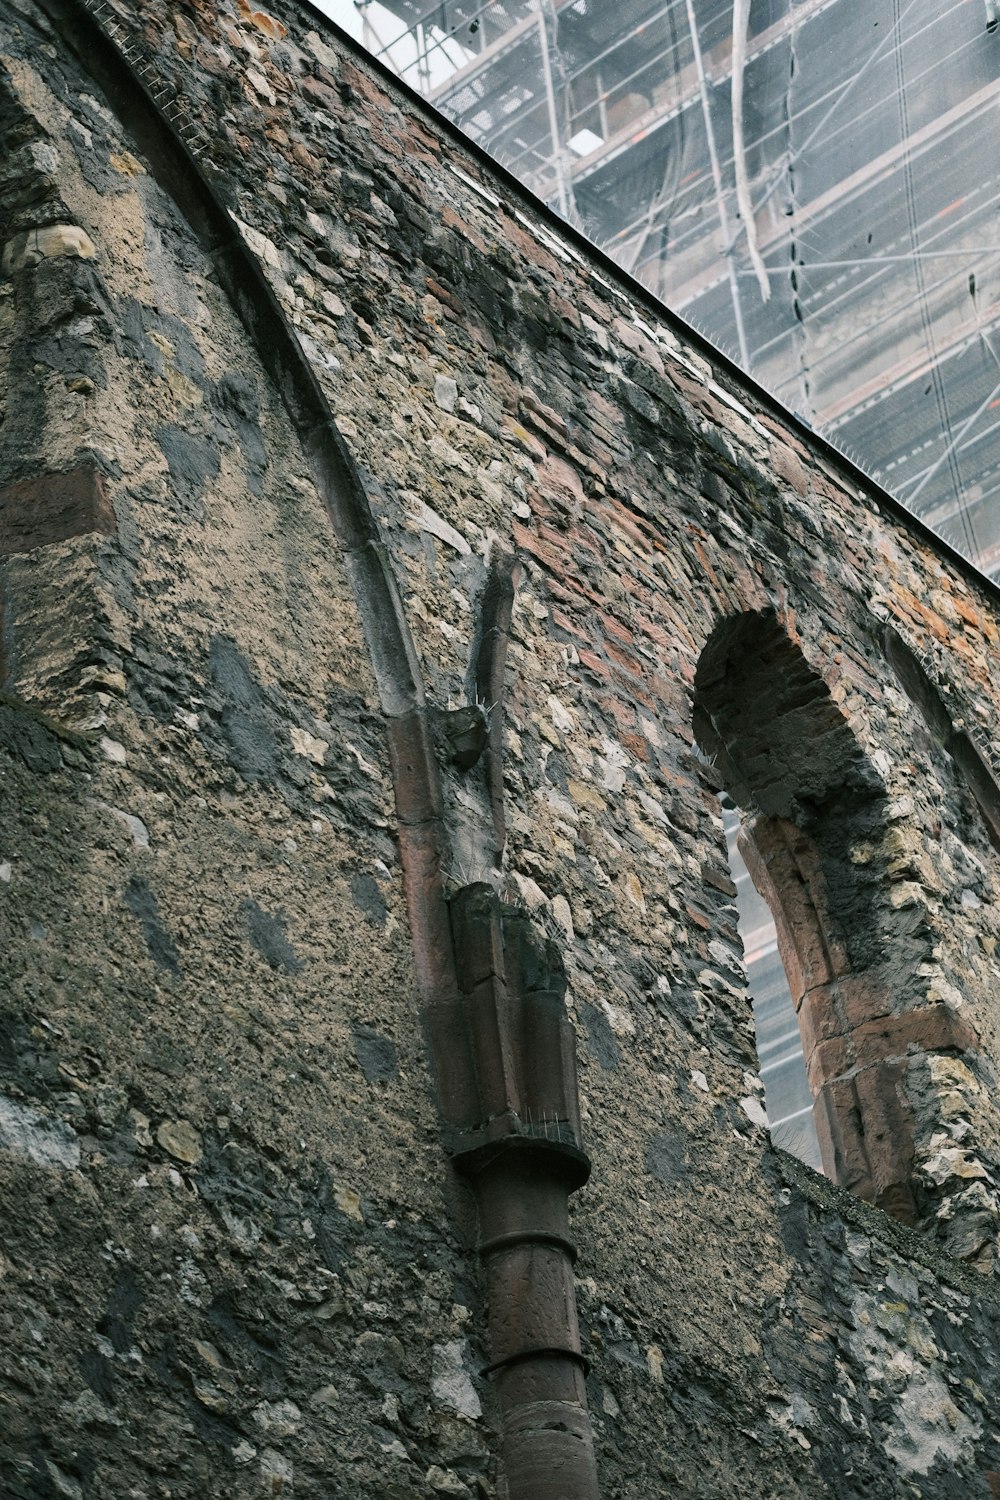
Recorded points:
(812, 183)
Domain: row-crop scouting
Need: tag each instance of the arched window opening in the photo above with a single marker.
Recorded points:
(787, 1095)
(813, 836)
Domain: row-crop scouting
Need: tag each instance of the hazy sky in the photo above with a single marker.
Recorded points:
(344, 13)
(387, 28)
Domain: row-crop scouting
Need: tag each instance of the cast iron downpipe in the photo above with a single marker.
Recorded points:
(501, 1046)
(521, 1153)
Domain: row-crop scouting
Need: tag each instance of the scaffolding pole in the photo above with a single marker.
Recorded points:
(562, 184)
(713, 155)
(799, 152)
(741, 27)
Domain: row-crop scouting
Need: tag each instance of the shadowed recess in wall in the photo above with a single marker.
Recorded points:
(768, 722)
(787, 755)
(950, 733)
(142, 903)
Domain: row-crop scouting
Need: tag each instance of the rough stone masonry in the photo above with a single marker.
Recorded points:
(390, 590)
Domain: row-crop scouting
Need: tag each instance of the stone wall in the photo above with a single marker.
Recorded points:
(236, 1259)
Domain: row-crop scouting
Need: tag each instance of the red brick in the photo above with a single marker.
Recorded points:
(554, 537)
(624, 716)
(709, 570)
(637, 745)
(455, 221)
(570, 591)
(787, 466)
(443, 295)
(320, 93)
(512, 234)
(932, 1028)
(630, 688)
(655, 633)
(530, 402)
(625, 660)
(829, 1061)
(865, 1129)
(565, 309)
(571, 627)
(862, 997)
(626, 521)
(416, 133)
(819, 1017)
(362, 83)
(697, 917)
(615, 628)
(904, 603)
(528, 542)
(594, 663)
(888, 1138)
(785, 868)
(838, 1125)
(51, 508)
(698, 395)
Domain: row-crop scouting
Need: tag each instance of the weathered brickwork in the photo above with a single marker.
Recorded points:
(595, 580)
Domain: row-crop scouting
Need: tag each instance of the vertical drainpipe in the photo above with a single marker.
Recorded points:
(520, 1150)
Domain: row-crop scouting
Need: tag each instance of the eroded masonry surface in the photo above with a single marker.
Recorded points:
(390, 592)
